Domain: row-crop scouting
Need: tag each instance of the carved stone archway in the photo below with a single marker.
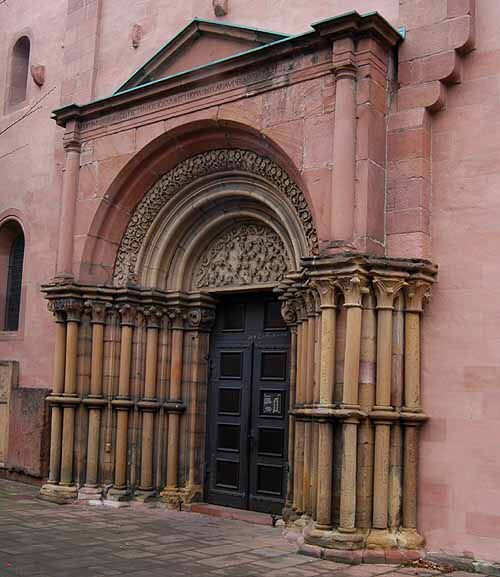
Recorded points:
(214, 163)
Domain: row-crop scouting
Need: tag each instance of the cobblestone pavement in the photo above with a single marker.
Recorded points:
(40, 539)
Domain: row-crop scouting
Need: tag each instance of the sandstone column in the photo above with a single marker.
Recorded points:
(289, 314)
(122, 404)
(412, 415)
(387, 286)
(49, 490)
(95, 400)
(171, 492)
(73, 315)
(309, 475)
(299, 423)
(64, 266)
(149, 403)
(344, 143)
(326, 290)
(353, 287)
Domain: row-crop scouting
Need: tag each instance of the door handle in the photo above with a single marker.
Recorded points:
(251, 440)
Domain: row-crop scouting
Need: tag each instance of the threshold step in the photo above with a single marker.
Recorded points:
(229, 513)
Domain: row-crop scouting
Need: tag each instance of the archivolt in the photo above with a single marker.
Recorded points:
(184, 174)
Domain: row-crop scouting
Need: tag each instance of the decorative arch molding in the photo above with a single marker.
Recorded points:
(183, 175)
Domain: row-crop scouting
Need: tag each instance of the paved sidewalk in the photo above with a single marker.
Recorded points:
(39, 539)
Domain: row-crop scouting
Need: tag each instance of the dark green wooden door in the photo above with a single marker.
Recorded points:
(248, 400)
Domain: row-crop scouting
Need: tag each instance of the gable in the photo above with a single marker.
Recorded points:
(198, 44)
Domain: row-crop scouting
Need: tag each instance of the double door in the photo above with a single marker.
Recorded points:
(248, 405)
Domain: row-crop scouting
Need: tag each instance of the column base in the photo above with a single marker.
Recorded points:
(60, 494)
(382, 539)
(172, 497)
(190, 494)
(142, 496)
(117, 498)
(93, 495)
(334, 539)
(410, 539)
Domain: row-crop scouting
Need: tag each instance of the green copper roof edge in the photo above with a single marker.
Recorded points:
(196, 68)
(352, 13)
(195, 20)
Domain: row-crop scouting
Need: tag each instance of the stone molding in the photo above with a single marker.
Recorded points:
(184, 174)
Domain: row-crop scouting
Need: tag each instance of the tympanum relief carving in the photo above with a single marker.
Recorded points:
(246, 254)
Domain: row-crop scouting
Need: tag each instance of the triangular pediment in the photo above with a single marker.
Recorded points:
(198, 44)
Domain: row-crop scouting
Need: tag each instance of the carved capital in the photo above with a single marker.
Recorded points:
(386, 290)
(353, 288)
(200, 319)
(326, 291)
(310, 302)
(127, 315)
(56, 307)
(153, 316)
(98, 311)
(289, 309)
(176, 316)
(417, 292)
(74, 310)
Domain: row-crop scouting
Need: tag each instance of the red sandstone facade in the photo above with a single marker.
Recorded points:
(385, 124)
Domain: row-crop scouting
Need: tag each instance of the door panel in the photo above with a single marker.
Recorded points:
(247, 426)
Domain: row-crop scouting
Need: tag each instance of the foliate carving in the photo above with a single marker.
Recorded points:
(247, 254)
(186, 172)
(416, 292)
(289, 311)
(70, 307)
(386, 289)
(354, 287)
(153, 317)
(127, 315)
(200, 318)
(326, 291)
(98, 311)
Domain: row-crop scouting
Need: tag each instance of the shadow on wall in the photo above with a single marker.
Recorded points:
(24, 427)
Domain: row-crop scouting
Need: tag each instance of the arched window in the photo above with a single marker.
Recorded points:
(11, 274)
(19, 70)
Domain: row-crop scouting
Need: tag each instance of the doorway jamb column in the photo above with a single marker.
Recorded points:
(149, 403)
(57, 389)
(171, 491)
(308, 400)
(298, 495)
(122, 404)
(353, 286)
(95, 401)
(73, 316)
(289, 314)
(387, 285)
(412, 416)
(327, 295)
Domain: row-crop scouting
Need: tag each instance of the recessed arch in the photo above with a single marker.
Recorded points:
(211, 183)
(150, 163)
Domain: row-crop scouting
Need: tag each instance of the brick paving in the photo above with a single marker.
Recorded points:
(40, 539)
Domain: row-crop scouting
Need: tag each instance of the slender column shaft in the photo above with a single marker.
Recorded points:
(57, 389)
(299, 428)
(96, 375)
(305, 440)
(127, 316)
(366, 401)
(291, 420)
(415, 294)
(174, 418)
(146, 483)
(308, 433)
(386, 290)
(64, 266)
(68, 435)
(344, 144)
(353, 288)
(326, 385)
(67, 446)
